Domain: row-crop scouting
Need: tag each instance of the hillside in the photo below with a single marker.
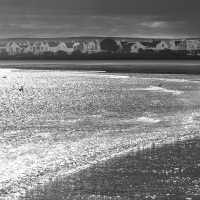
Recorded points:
(78, 39)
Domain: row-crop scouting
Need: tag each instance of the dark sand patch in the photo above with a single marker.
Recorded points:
(171, 171)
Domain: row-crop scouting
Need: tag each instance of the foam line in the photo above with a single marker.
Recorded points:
(153, 88)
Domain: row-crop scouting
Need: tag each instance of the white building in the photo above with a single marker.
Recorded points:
(135, 48)
(182, 46)
(79, 46)
(158, 45)
(4, 47)
(36, 48)
(29, 48)
(43, 47)
(52, 47)
(68, 47)
(13, 49)
(91, 47)
(173, 45)
(193, 44)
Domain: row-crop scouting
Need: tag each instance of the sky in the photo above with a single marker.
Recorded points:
(125, 18)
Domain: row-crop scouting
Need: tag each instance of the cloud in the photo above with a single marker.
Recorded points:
(100, 7)
(99, 17)
(98, 25)
(155, 24)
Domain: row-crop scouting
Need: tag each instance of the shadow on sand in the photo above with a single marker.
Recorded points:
(171, 171)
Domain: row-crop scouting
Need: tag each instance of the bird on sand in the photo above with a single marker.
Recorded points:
(21, 89)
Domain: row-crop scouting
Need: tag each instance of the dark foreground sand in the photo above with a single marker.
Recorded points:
(171, 171)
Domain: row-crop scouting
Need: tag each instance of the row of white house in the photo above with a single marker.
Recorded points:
(38, 48)
(174, 45)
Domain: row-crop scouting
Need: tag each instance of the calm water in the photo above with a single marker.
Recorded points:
(74, 118)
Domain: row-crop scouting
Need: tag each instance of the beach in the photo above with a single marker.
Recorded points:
(68, 120)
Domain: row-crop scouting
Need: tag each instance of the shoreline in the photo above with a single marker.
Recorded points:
(156, 66)
(97, 61)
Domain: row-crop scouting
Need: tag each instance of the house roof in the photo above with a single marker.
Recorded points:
(53, 44)
(83, 42)
(96, 42)
(128, 46)
(69, 44)
(182, 43)
(144, 43)
(123, 43)
(22, 50)
(153, 44)
(3, 44)
(23, 45)
(37, 44)
(16, 44)
(80, 45)
(76, 44)
(177, 42)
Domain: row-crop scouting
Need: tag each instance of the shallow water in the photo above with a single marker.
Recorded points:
(72, 118)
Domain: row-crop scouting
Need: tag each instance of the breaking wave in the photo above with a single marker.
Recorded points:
(147, 120)
(153, 88)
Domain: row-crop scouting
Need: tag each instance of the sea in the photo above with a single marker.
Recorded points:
(63, 121)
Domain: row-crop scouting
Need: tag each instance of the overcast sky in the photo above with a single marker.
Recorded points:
(127, 18)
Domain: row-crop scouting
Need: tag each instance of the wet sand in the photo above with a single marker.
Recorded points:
(109, 66)
(170, 171)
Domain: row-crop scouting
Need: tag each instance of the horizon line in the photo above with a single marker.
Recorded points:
(182, 37)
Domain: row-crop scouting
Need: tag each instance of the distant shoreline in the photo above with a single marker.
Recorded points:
(100, 61)
(111, 66)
